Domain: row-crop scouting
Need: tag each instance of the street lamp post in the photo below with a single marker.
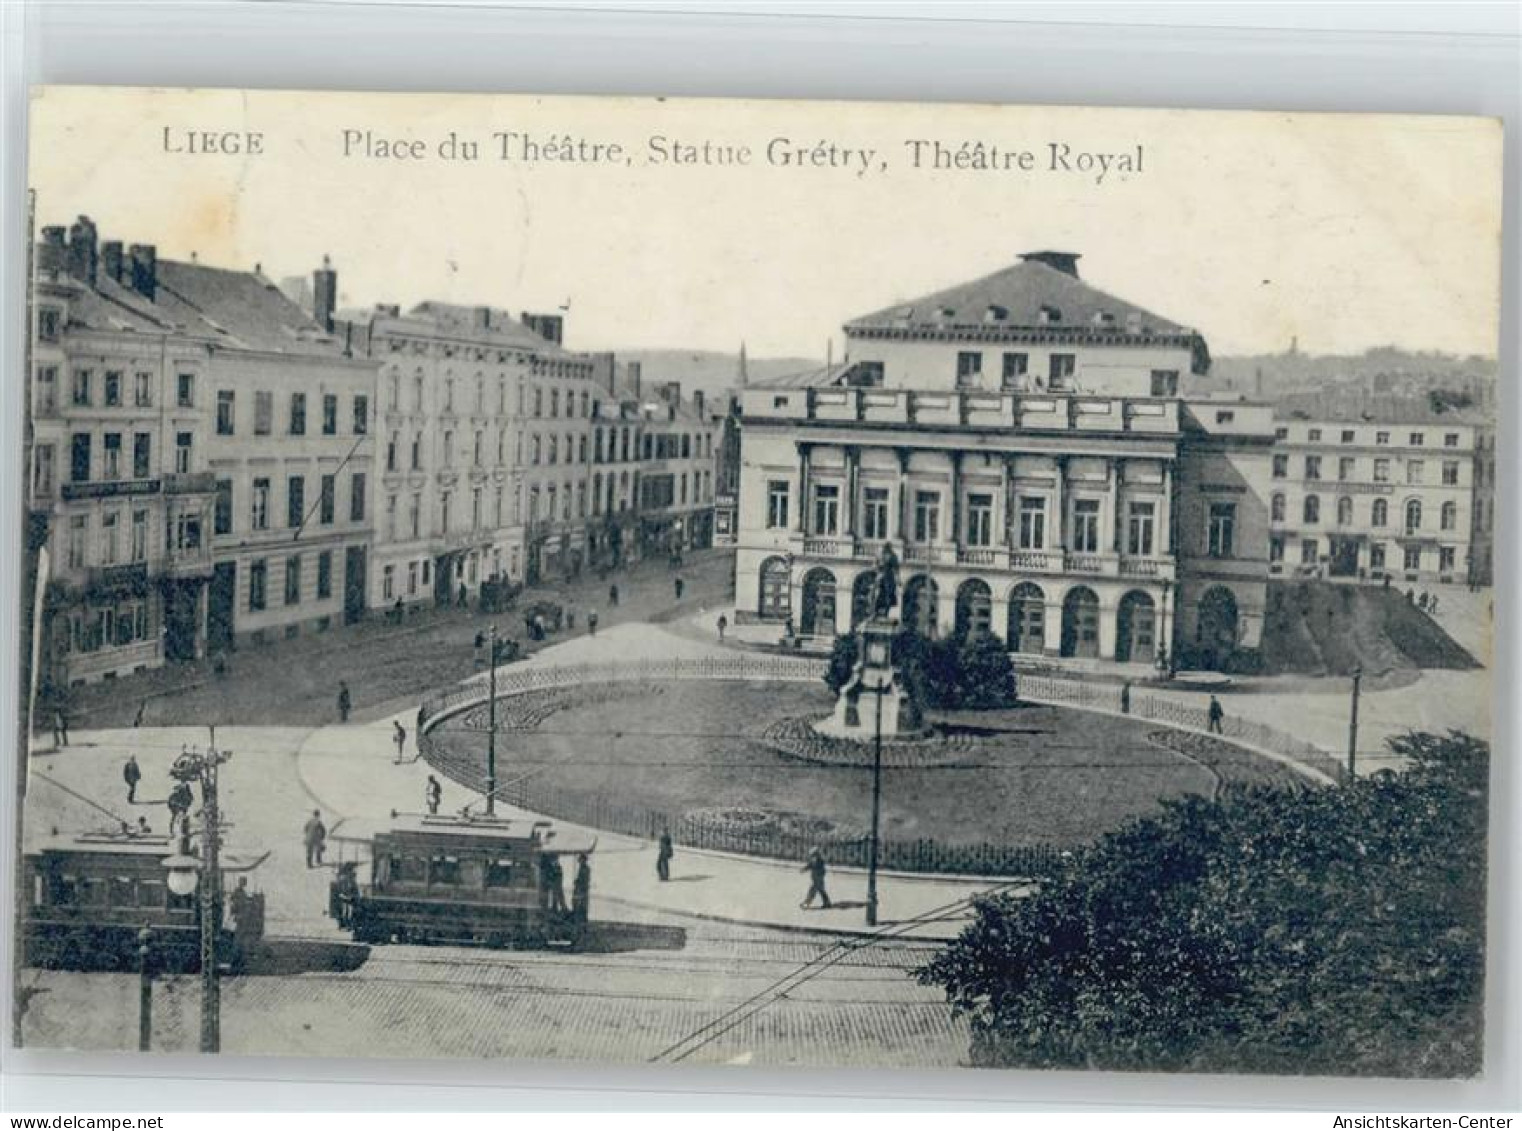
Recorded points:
(491, 729)
(877, 796)
(1353, 728)
(144, 992)
(188, 871)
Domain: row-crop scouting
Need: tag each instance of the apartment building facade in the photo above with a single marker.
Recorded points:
(1021, 444)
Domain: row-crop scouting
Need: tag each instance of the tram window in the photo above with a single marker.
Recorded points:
(409, 869)
(499, 874)
(181, 902)
(95, 892)
(65, 891)
(123, 892)
(444, 870)
(150, 893)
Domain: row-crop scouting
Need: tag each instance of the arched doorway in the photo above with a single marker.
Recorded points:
(1216, 625)
(818, 603)
(921, 596)
(1027, 619)
(773, 603)
(974, 609)
(1136, 627)
(861, 597)
(1080, 623)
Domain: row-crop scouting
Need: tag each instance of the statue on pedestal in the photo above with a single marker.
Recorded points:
(884, 596)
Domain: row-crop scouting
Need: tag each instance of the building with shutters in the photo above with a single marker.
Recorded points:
(1021, 443)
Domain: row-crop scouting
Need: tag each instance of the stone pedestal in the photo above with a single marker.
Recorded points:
(874, 678)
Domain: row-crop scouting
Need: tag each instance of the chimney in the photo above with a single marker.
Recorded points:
(82, 257)
(145, 269)
(550, 327)
(697, 403)
(671, 393)
(324, 294)
(111, 259)
(482, 320)
(634, 379)
(1064, 261)
(51, 255)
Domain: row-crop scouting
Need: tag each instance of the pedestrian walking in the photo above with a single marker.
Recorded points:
(557, 886)
(399, 736)
(131, 774)
(663, 856)
(1432, 605)
(613, 596)
(723, 624)
(1421, 601)
(592, 623)
(142, 709)
(678, 585)
(1125, 698)
(581, 888)
(315, 836)
(1216, 714)
(433, 793)
(816, 870)
(60, 728)
(143, 828)
(345, 701)
(570, 617)
(181, 798)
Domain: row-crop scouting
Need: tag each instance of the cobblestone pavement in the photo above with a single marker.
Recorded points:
(405, 1001)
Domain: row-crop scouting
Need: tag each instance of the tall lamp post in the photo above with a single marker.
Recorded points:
(188, 871)
(491, 728)
(144, 991)
(876, 659)
(1353, 728)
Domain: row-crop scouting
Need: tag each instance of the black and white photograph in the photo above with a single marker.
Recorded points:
(757, 583)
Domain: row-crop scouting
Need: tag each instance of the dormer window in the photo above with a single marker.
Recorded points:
(946, 313)
(995, 314)
(1049, 315)
(1103, 318)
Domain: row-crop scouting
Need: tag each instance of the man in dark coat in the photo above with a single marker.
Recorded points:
(816, 870)
(1216, 714)
(663, 856)
(581, 888)
(315, 836)
(131, 775)
(345, 701)
(433, 793)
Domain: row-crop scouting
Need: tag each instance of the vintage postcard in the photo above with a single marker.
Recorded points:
(769, 583)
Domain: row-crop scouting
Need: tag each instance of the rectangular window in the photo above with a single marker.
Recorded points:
(361, 414)
(1165, 382)
(113, 388)
(81, 390)
(1281, 466)
(1418, 439)
(1345, 467)
(185, 390)
(411, 578)
(1413, 557)
(777, 493)
(1376, 555)
(295, 500)
(264, 413)
(47, 389)
(1414, 471)
(357, 497)
(49, 318)
(1060, 369)
(1016, 366)
(325, 575)
(1032, 522)
(1086, 526)
(415, 516)
(1347, 435)
(1450, 439)
(329, 414)
(222, 515)
(980, 520)
(1276, 548)
(1450, 473)
(225, 402)
(1221, 535)
(327, 491)
(293, 580)
(417, 451)
(259, 509)
(183, 452)
(1314, 435)
(108, 533)
(1445, 559)
(298, 414)
(969, 368)
(258, 583)
(111, 452)
(142, 443)
(1381, 438)
(826, 509)
(1308, 551)
(1313, 467)
(1382, 471)
(79, 531)
(42, 470)
(388, 583)
(874, 514)
(927, 516)
(1139, 528)
(142, 389)
(79, 457)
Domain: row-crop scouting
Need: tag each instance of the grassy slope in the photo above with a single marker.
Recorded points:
(1316, 628)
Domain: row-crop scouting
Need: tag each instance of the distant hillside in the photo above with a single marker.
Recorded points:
(709, 370)
(1382, 370)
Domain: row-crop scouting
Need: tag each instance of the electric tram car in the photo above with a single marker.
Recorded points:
(473, 881)
(88, 897)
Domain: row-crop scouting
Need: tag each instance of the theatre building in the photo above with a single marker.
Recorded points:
(1021, 443)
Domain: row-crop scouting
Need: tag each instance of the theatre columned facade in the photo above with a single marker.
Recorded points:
(1021, 444)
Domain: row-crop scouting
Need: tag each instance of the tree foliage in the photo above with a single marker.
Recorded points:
(960, 671)
(1336, 931)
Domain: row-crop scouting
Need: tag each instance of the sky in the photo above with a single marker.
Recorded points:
(1342, 232)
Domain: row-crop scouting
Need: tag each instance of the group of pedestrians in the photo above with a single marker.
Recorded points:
(179, 801)
(665, 852)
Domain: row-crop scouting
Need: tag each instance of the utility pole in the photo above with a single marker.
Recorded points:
(491, 729)
(1353, 728)
(877, 794)
(211, 902)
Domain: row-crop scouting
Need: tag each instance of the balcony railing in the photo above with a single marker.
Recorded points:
(1035, 561)
(979, 409)
(110, 488)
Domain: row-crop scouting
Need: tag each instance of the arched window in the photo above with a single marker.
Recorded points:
(1450, 515)
(1276, 508)
(1312, 508)
(1381, 513)
(1413, 515)
(1344, 512)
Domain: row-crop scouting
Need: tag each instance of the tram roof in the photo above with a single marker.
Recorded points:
(477, 830)
(136, 846)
